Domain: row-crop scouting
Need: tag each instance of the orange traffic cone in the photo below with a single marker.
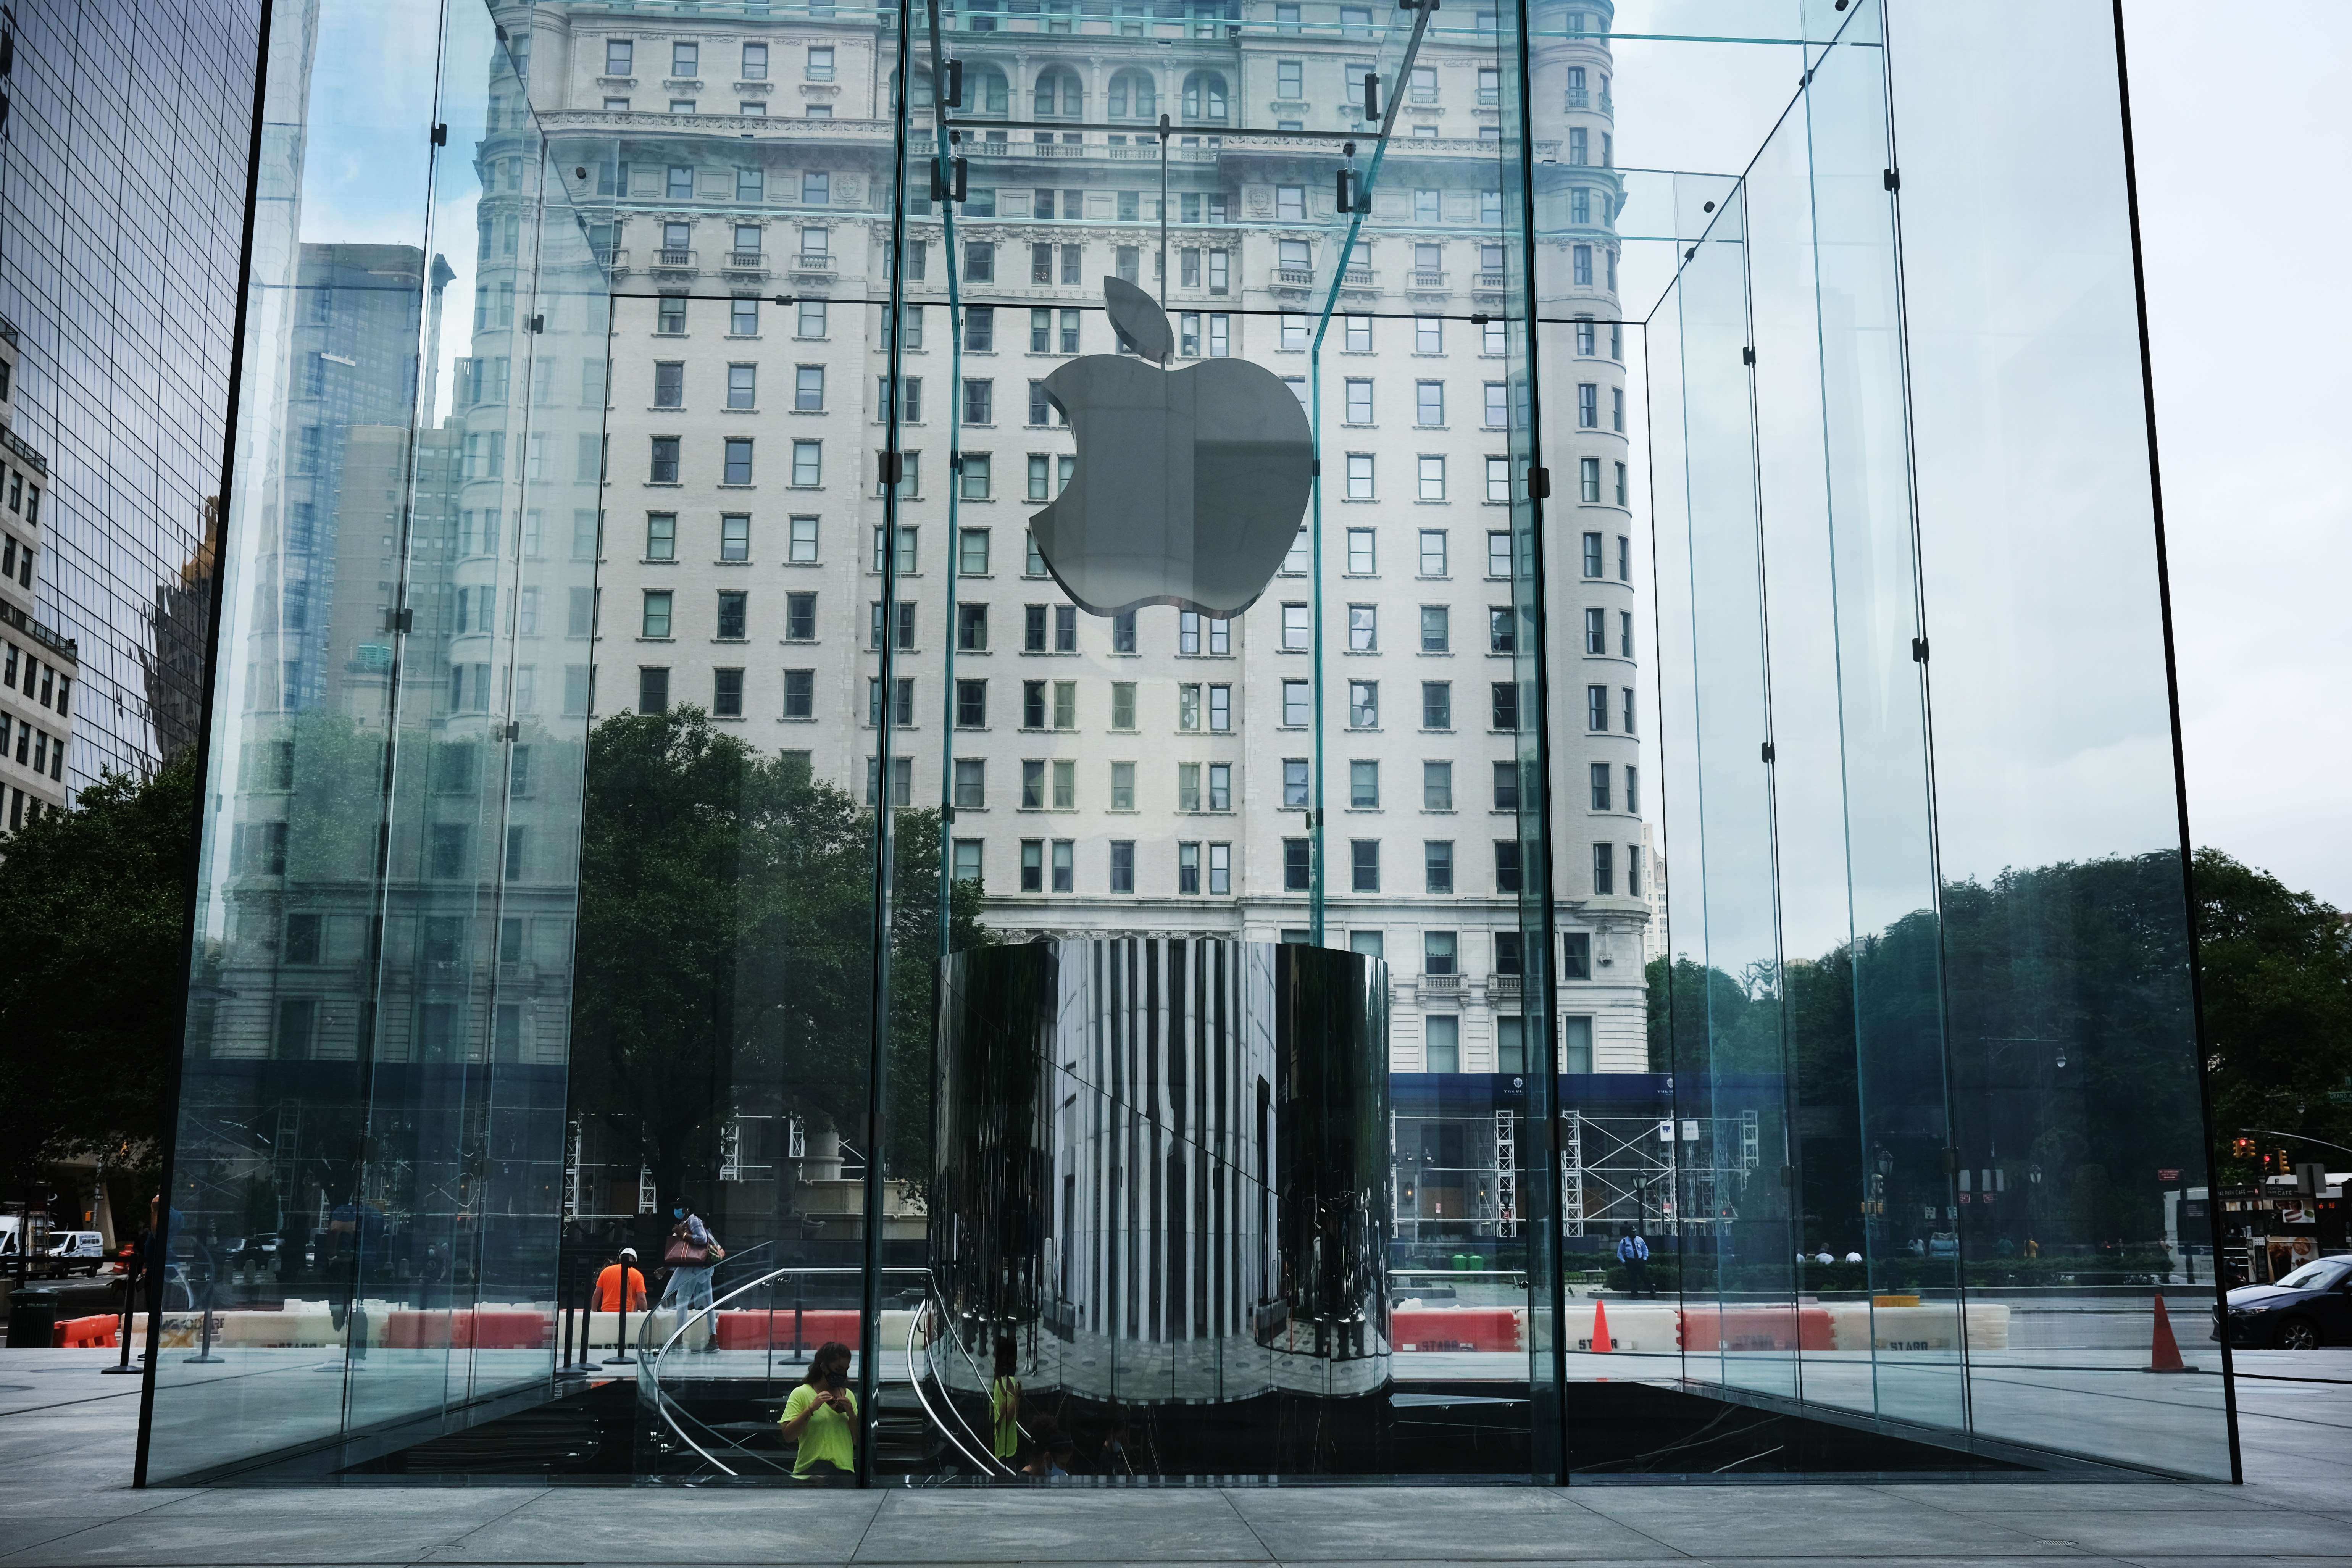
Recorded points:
(2164, 1354)
(1599, 1326)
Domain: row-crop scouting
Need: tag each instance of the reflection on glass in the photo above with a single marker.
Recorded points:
(641, 673)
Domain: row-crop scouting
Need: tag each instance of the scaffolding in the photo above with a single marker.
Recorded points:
(1457, 1173)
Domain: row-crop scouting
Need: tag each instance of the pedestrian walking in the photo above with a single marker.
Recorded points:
(690, 1255)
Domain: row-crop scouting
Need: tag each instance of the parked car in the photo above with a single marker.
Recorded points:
(74, 1252)
(2306, 1309)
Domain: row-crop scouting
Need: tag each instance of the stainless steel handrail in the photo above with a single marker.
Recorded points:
(650, 1364)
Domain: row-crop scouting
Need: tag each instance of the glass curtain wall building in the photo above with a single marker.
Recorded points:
(719, 795)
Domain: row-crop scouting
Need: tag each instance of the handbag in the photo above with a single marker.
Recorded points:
(684, 1251)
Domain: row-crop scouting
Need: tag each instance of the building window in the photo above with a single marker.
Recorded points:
(971, 704)
(1575, 956)
(1429, 402)
(967, 861)
(801, 548)
(1363, 704)
(1122, 865)
(1432, 553)
(1437, 705)
(808, 462)
(655, 620)
(1604, 873)
(1364, 865)
(1297, 710)
(661, 537)
(1033, 864)
(1437, 866)
(1188, 868)
(652, 689)
(1593, 555)
(800, 694)
(1505, 704)
(1507, 786)
(1507, 865)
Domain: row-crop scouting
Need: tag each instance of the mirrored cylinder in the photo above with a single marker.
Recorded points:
(1161, 1169)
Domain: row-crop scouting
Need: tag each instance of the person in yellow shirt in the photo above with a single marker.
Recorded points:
(822, 1417)
(1004, 1401)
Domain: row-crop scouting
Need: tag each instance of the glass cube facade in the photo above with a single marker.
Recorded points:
(713, 707)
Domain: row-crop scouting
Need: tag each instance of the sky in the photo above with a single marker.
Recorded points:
(2242, 137)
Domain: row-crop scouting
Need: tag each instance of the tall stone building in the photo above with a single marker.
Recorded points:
(1148, 773)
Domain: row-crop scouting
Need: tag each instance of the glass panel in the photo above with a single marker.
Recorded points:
(431, 788)
(2074, 1065)
(285, 1023)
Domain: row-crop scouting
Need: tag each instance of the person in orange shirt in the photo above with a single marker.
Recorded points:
(609, 1286)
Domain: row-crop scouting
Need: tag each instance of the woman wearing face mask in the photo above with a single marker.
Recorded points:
(822, 1417)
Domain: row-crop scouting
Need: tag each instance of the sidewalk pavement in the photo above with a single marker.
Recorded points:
(67, 1434)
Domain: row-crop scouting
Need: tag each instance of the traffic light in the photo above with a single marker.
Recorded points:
(2242, 1148)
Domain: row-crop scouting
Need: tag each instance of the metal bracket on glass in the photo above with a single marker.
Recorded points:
(1768, 750)
(1539, 484)
(944, 189)
(400, 620)
(1893, 179)
(441, 135)
(1918, 650)
(952, 97)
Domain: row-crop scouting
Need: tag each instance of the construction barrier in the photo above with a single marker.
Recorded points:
(482, 1328)
(1653, 1327)
(786, 1330)
(85, 1334)
(1751, 1328)
(1457, 1328)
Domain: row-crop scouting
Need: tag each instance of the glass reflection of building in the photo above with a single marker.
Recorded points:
(1062, 728)
(119, 308)
(677, 576)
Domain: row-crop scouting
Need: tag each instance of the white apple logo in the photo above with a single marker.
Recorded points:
(1190, 484)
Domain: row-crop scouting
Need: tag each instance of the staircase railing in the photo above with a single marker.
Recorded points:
(674, 1414)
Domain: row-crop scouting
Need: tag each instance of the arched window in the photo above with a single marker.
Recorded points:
(1132, 95)
(922, 91)
(986, 91)
(1204, 96)
(1058, 92)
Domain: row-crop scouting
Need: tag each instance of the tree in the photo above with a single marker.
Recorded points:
(89, 997)
(726, 939)
(2277, 972)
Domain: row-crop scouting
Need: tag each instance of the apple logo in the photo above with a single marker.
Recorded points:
(1190, 484)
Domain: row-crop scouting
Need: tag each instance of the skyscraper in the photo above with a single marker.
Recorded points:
(122, 208)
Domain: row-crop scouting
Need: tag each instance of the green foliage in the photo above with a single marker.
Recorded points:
(2060, 997)
(90, 996)
(726, 943)
(2277, 972)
